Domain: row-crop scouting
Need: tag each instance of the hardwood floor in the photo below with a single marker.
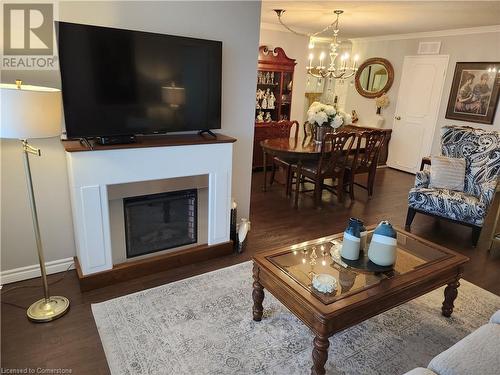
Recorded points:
(73, 341)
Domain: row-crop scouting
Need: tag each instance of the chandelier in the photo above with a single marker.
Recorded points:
(346, 68)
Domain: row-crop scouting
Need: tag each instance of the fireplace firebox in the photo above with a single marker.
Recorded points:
(160, 221)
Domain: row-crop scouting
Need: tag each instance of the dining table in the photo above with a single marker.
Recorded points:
(293, 150)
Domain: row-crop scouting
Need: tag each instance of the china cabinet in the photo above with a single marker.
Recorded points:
(273, 97)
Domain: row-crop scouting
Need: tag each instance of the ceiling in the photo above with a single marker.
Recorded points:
(374, 18)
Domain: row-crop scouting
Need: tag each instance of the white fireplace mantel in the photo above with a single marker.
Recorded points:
(90, 173)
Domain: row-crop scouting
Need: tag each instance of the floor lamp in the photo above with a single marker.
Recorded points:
(34, 112)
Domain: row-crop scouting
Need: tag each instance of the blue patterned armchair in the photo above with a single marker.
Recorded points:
(481, 150)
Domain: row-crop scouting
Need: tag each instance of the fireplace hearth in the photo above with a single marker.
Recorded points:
(160, 221)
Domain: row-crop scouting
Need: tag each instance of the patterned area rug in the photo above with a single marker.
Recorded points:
(203, 325)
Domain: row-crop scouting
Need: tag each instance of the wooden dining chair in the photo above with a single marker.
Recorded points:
(308, 129)
(335, 150)
(365, 160)
(284, 129)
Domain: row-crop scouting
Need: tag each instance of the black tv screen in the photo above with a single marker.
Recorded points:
(123, 82)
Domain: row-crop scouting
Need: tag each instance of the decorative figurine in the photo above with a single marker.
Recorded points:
(354, 116)
(272, 78)
(268, 78)
(260, 116)
(264, 102)
(268, 117)
(313, 256)
(271, 101)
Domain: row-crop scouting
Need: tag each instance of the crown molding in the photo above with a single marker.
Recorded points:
(416, 35)
(431, 34)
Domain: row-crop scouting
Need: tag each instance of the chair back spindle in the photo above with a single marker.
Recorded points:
(335, 156)
(373, 141)
(283, 128)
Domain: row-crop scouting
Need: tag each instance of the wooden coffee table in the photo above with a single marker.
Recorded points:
(421, 267)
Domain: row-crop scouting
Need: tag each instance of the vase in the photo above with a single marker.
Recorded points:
(320, 131)
(233, 235)
(383, 246)
(243, 229)
(351, 243)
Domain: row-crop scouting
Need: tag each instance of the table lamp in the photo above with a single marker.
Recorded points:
(34, 112)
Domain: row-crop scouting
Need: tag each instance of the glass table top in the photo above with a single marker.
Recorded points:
(301, 262)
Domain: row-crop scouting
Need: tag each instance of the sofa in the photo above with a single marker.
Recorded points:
(476, 354)
(481, 151)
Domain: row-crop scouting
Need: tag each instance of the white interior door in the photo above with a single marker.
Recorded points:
(417, 108)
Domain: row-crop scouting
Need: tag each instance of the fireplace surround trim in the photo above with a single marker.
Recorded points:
(91, 172)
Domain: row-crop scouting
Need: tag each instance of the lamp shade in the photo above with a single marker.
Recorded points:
(173, 95)
(30, 111)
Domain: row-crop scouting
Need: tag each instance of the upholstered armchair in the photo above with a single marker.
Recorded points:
(481, 151)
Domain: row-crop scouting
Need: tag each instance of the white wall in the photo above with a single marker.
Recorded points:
(473, 47)
(236, 24)
(295, 47)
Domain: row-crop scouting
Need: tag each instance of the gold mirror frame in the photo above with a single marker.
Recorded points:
(390, 77)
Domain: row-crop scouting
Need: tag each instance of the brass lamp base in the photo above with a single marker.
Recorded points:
(46, 310)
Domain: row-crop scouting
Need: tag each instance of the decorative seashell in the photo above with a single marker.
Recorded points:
(324, 283)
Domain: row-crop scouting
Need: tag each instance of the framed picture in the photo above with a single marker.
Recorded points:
(474, 92)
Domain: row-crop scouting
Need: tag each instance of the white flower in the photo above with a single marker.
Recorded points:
(330, 110)
(337, 121)
(319, 113)
(347, 117)
(382, 101)
(321, 118)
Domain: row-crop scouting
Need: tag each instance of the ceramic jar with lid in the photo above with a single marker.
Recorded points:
(383, 246)
(351, 243)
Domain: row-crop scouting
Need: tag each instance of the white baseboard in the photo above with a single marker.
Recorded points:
(29, 272)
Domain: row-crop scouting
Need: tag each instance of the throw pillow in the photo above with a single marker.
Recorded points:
(447, 173)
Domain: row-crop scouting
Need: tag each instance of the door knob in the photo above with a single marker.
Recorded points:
(398, 118)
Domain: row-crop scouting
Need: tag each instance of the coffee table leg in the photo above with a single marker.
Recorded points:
(450, 294)
(319, 354)
(257, 295)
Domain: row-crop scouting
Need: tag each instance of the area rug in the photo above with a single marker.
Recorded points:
(203, 325)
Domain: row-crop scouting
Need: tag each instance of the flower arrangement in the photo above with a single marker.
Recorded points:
(326, 115)
(382, 102)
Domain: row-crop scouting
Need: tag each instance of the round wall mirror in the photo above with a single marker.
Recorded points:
(374, 77)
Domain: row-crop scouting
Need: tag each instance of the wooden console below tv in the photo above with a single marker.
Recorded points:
(151, 141)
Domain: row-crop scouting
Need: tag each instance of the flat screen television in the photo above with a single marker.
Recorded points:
(121, 82)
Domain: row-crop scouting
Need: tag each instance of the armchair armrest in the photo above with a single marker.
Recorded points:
(487, 192)
(425, 161)
(495, 318)
(422, 178)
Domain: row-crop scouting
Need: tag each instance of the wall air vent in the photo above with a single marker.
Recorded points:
(429, 48)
